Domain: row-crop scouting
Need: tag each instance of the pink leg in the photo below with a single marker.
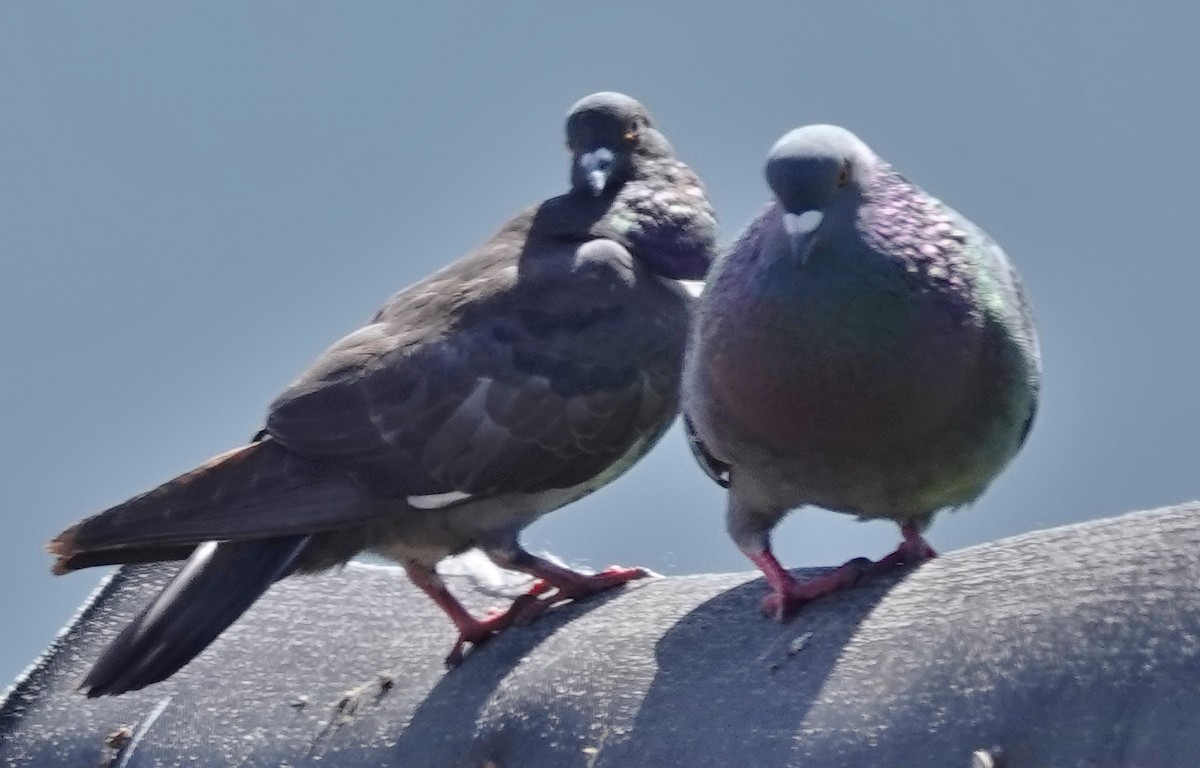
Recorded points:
(914, 549)
(789, 594)
(470, 629)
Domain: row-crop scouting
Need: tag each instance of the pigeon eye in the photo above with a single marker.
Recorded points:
(844, 174)
(633, 129)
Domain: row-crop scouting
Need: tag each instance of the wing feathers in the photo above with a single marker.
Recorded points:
(257, 491)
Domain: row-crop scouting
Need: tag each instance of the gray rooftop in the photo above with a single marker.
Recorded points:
(1077, 646)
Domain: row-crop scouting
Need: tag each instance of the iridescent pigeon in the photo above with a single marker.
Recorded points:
(861, 347)
(525, 375)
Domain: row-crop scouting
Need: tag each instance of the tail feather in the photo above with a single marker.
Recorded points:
(127, 556)
(209, 593)
(258, 491)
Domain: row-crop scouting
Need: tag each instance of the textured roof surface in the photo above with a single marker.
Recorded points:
(1069, 647)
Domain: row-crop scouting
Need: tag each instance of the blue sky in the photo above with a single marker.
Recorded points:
(195, 201)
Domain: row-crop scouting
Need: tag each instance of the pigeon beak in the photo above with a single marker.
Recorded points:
(800, 228)
(597, 167)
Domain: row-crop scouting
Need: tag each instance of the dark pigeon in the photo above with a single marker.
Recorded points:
(527, 374)
(862, 348)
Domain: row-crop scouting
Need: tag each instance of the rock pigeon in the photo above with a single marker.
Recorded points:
(527, 374)
(861, 347)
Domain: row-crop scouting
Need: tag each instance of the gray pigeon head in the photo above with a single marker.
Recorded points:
(815, 171)
(607, 133)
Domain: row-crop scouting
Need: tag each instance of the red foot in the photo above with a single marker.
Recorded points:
(914, 549)
(557, 585)
(790, 595)
(785, 601)
(477, 632)
(539, 587)
(578, 585)
(554, 584)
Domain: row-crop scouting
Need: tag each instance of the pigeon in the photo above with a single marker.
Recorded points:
(529, 373)
(861, 347)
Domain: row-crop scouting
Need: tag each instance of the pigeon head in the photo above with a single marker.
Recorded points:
(607, 133)
(817, 173)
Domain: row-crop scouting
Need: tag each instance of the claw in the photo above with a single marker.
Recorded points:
(559, 587)
(790, 595)
(539, 587)
(557, 584)
(477, 632)
(554, 584)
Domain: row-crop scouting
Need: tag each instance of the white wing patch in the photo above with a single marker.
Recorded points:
(693, 288)
(437, 500)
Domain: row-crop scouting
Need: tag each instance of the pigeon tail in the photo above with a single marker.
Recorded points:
(258, 491)
(216, 586)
